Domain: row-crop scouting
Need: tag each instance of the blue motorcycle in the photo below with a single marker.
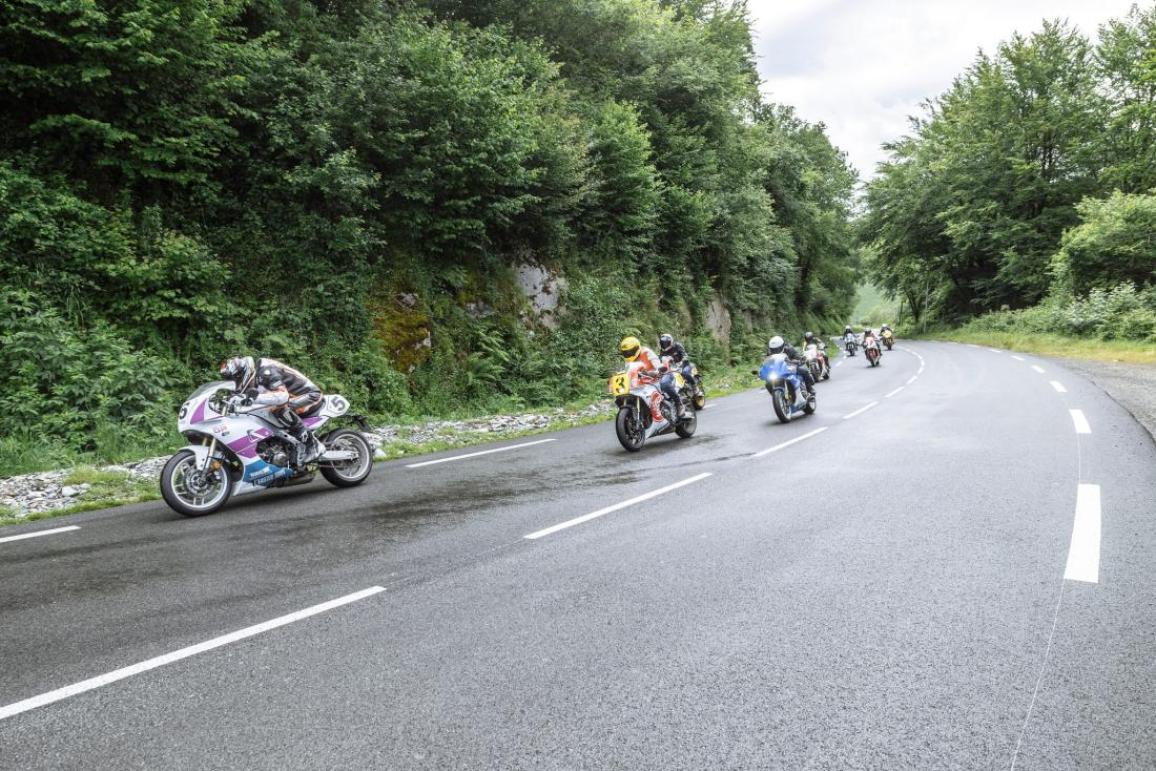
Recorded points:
(785, 386)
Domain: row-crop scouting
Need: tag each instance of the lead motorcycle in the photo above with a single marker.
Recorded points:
(644, 412)
(785, 387)
(238, 450)
(871, 351)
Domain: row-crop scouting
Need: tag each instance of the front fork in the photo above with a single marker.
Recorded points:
(208, 459)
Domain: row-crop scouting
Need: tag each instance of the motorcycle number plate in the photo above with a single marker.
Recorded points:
(619, 384)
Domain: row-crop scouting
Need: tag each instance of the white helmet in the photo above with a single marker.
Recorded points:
(775, 345)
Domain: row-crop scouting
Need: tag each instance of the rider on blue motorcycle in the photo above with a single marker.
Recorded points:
(292, 395)
(778, 345)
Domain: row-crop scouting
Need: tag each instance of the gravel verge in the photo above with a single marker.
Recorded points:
(1132, 386)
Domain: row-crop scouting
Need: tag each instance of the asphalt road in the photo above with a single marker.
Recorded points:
(953, 577)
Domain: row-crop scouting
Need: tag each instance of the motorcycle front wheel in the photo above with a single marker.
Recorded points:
(779, 400)
(631, 433)
(189, 492)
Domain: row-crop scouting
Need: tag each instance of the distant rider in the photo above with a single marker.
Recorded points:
(632, 349)
(669, 347)
(292, 395)
(778, 345)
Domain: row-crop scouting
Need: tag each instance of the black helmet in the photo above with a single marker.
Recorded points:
(775, 345)
(665, 341)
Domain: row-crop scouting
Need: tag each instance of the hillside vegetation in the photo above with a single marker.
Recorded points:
(1027, 190)
(352, 186)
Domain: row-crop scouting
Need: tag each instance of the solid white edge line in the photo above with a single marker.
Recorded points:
(911, 379)
(995, 350)
(1084, 551)
(859, 411)
(100, 681)
(777, 447)
(610, 509)
(1038, 368)
(1080, 422)
(897, 390)
(1058, 386)
(476, 454)
(38, 533)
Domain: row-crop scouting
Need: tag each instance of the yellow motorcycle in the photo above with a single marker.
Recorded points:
(888, 338)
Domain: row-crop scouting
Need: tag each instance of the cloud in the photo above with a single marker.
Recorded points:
(862, 67)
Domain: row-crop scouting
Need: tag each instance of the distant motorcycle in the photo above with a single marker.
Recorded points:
(785, 386)
(888, 338)
(817, 362)
(871, 351)
(850, 343)
(237, 450)
(643, 412)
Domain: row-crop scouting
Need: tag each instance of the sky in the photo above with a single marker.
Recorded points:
(863, 66)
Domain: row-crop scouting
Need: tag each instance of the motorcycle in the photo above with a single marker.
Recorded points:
(871, 351)
(693, 390)
(817, 362)
(238, 450)
(850, 343)
(785, 387)
(643, 412)
(888, 339)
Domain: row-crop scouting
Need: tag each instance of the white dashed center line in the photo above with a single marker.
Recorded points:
(1058, 386)
(778, 447)
(1084, 551)
(1017, 358)
(616, 507)
(1080, 422)
(476, 454)
(93, 683)
(860, 411)
(38, 533)
(1038, 368)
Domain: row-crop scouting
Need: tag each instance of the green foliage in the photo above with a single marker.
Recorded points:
(1030, 176)
(1119, 313)
(1116, 240)
(72, 382)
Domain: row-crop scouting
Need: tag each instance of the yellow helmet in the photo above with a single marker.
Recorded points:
(629, 348)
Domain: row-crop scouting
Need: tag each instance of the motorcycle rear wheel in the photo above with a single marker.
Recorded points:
(190, 493)
(631, 433)
(348, 473)
(685, 428)
(699, 395)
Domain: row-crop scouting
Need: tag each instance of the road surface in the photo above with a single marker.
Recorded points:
(948, 566)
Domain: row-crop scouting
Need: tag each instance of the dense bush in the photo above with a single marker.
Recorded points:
(1120, 313)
